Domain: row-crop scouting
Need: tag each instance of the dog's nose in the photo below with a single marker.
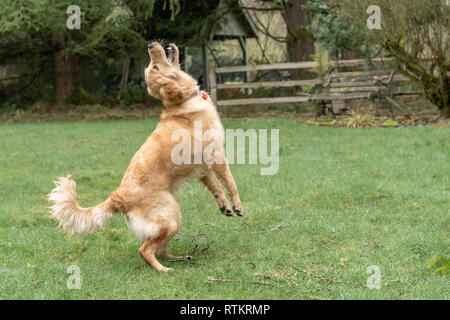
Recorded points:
(150, 46)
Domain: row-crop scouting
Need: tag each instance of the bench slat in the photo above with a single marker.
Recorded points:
(337, 96)
(352, 84)
(359, 79)
(354, 89)
(362, 74)
(289, 83)
(407, 93)
(400, 78)
(235, 102)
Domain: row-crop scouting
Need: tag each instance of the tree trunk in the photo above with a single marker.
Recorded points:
(438, 93)
(347, 54)
(445, 112)
(300, 42)
(125, 71)
(444, 108)
(66, 71)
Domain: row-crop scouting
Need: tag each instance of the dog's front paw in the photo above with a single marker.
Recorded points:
(226, 211)
(238, 210)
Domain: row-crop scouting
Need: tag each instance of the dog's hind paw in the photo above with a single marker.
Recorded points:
(238, 210)
(165, 269)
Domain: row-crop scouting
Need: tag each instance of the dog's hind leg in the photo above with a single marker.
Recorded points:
(155, 225)
(163, 252)
(223, 172)
(211, 182)
(157, 246)
(148, 253)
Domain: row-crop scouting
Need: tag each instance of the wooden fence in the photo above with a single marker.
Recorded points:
(214, 86)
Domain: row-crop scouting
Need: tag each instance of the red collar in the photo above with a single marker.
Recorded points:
(204, 95)
(201, 93)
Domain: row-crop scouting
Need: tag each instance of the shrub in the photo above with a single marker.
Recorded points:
(360, 118)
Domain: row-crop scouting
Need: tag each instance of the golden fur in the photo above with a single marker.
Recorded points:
(145, 195)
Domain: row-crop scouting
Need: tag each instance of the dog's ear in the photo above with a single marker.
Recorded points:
(171, 91)
(176, 55)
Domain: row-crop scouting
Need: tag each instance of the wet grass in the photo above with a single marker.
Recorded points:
(342, 200)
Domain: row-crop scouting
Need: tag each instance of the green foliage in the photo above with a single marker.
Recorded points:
(30, 25)
(308, 89)
(415, 33)
(390, 123)
(323, 63)
(335, 32)
(32, 30)
(112, 29)
(135, 94)
(192, 26)
(81, 96)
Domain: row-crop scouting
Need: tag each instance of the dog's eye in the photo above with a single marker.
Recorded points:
(155, 67)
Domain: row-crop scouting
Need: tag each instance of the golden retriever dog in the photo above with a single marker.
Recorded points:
(146, 194)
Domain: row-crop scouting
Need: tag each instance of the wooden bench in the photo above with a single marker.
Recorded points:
(340, 87)
(214, 72)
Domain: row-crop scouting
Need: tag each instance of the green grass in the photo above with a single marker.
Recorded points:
(343, 200)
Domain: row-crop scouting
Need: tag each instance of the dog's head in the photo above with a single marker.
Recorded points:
(164, 78)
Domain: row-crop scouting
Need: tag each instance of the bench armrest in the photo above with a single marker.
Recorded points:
(388, 82)
(327, 83)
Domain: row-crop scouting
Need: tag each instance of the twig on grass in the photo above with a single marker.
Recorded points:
(288, 280)
(264, 283)
(393, 281)
(270, 230)
(238, 255)
(187, 257)
(212, 225)
(328, 279)
(189, 253)
(333, 280)
(212, 279)
(319, 276)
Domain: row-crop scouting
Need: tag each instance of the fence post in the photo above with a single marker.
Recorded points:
(212, 81)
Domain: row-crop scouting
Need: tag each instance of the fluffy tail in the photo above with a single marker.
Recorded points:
(70, 215)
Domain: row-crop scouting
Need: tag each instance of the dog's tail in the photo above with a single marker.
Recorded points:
(70, 215)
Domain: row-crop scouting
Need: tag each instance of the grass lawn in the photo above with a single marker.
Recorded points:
(343, 200)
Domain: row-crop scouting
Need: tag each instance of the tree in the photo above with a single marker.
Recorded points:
(34, 33)
(298, 39)
(335, 33)
(416, 34)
